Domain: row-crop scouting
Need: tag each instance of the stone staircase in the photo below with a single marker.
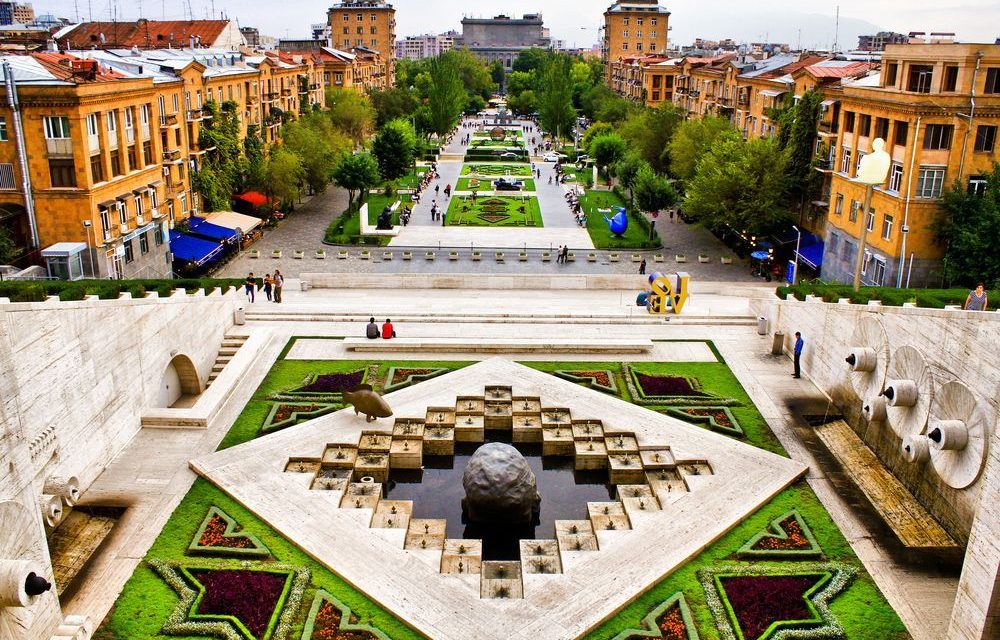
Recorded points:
(230, 345)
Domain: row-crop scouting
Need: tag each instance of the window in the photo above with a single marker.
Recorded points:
(347, 30)
(638, 46)
(638, 34)
(652, 21)
(3, 129)
(902, 130)
(870, 220)
(891, 71)
(116, 163)
(147, 153)
(122, 212)
(930, 180)
(128, 118)
(920, 78)
(986, 138)
(838, 205)
(861, 156)
(161, 103)
(878, 278)
(864, 125)
(374, 17)
(62, 171)
(977, 185)
(143, 244)
(656, 95)
(112, 121)
(895, 176)
(129, 253)
(624, 46)
(853, 217)
(865, 261)
(625, 21)
(184, 204)
(346, 17)
(56, 127)
(133, 158)
(175, 102)
(92, 124)
(639, 21)
(374, 30)
(845, 161)
(7, 176)
(938, 136)
(361, 18)
(105, 220)
(848, 122)
(950, 82)
(882, 128)
(374, 42)
(157, 236)
(96, 168)
(992, 80)
(361, 30)
(138, 205)
(847, 250)
(625, 33)
(652, 34)
(887, 227)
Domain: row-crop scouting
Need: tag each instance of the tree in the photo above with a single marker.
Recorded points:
(524, 103)
(969, 228)
(652, 190)
(8, 248)
(692, 139)
(351, 112)
(223, 170)
(520, 81)
(283, 176)
(476, 104)
(626, 171)
(532, 59)
(594, 130)
(357, 173)
(607, 149)
(497, 73)
(318, 145)
(393, 103)
(394, 147)
(555, 102)
(473, 72)
(446, 96)
(253, 151)
(740, 185)
(649, 132)
(803, 180)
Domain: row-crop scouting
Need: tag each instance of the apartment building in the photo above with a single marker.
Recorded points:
(633, 28)
(360, 69)
(502, 38)
(152, 34)
(368, 24)
(705, 85)
(426, 46)
(646, 79)
(937, 106)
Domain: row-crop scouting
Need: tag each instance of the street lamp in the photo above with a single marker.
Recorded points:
(795, 267)
(90, 249)
(873, 171)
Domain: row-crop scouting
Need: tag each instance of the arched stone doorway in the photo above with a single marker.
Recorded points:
(180, 380)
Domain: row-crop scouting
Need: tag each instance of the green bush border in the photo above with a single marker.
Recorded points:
(889, 296)
(76, 290)
(682, 414)
(651, 627)
(345, 617)
(412, 379)
(775, 530)
(270, 426)
(638, 397)
(233, 530)
(587, 381)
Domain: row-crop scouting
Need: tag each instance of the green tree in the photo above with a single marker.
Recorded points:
(607, 149)
(555, 102)
(649, 132)
(447, 96)
(497, 73)
(740, 184)
(653, 191)
(476, 104)
(357, 173)
(393, 103)
(223, 170)
(692, 139)
(351, 112)
(626, 171)
(473, 72)
(283, 176)
(524, 103)
(8, 248)
(594, 130)
(969, 228)
(532, 59)
(394, 147)
(520, 81)
(318, 145)
(803, 180)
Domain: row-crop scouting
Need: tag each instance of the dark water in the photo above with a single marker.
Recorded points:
(437, 492)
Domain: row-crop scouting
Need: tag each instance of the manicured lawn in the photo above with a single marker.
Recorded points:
(346, 228)
(497, 169)
(635, 237)
(378, 202)
(495, 211)
(412, 179)
(466, 184)
(496, 144)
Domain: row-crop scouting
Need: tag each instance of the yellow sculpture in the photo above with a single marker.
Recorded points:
(667, 292)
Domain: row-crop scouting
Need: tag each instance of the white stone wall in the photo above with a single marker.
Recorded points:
(957, 345)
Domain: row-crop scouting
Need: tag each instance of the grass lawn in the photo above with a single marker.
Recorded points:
(497, 169)
(496, 144)
(346, 228)
(495, 211)
(412, 179)
(635, 237)
(466, 184)
(378, 202)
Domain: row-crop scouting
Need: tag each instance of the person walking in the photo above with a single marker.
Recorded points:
(279, 282)
(268, 284)
(642, 267)
(977, 299)
(437, 189)
(249, 286)
(559, 254)
(371, 331)
(799, 343)
(565, 253)
(447, 191)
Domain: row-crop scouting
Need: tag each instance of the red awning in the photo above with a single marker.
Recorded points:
(253, 198)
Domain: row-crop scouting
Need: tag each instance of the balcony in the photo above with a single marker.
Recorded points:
(286, 92)
(174, 189)
(59, 147)
(198, 150)
(170, 120)
(123, 228)
(144, 131)
(155, 213)
(171, 156)
(197, 115)
(129, 135)
(824, 165)
(270, 97)
(140, 219)
(107, 237)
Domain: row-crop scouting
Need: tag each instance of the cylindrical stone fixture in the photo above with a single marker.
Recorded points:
(52, 509)
(916, 449)
(66, 487)
(900, 393)
(862, 359)
(15, 583)
(874, 409)
(947, 435)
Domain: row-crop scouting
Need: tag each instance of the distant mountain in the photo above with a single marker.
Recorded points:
(813, 30)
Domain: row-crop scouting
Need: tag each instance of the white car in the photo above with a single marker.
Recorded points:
(552, 156)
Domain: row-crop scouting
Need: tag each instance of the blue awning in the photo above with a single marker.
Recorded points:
(812, 255)
(204, 229)
(192, 249)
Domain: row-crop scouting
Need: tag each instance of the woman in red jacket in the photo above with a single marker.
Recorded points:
(387, 331)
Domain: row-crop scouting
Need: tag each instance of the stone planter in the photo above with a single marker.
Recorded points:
(591, 257)
(498, 256)
(614, 257)
(658, 257)
(477, 256)
(704, 259)
(299, 254)
(387, 255)
(366, 255)
(726, 260)
(453, 256)
(680, 258)
(546, 256)
(342, 255)
(429, 255)
(407, 255)
(321, 255)
(253, 253)
(522, 257)
(276, 253)
(570, 257)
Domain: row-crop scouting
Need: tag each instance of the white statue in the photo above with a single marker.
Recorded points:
(875, 166)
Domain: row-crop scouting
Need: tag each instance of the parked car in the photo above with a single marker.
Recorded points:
(552, 156)
(509, 155)
(505, 184)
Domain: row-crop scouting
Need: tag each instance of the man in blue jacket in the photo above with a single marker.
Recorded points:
(798, 354)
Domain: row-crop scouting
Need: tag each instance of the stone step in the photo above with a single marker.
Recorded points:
(172, 422)
(228, 351)
(742, 321)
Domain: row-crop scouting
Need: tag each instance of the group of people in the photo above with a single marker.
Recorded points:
(573, 200)
(386, 333)
(562, 254)
(273, 285)
(426, 179)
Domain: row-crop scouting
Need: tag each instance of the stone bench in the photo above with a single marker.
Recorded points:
(915, 528)
(498, 345)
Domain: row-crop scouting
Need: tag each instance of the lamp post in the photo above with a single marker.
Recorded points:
(90, 249)
(798, 245)
(873, 171)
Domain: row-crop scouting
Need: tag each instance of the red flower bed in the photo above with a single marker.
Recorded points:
(327, 626)
(796, 538)
(249, 596)
(600, 377)
(760, 601)
(671, 624)
(213, 536)
(400, 376)
(653, 385)
(334, 382)
(285, 411)
(720, 416)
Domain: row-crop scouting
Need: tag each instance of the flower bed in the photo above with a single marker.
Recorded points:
(219, 534)
(787, 536)
(600, 380)
(671, 620)
(330, 619)
(325, 387)
(670, 390)
(494, 211)
(716, 418)
(401, 377)
(285, 414)
(757, 602)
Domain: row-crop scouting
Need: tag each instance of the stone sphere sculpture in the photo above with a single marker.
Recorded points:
(499, 486)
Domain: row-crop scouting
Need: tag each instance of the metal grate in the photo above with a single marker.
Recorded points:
(7, 176)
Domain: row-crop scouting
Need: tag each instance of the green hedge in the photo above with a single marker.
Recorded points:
(889, 296)
(39, 290)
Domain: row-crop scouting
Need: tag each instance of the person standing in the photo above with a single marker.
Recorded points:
(565, 253)
(559, 254)
(249, 286)
(268, 283)
(799, 343)
(642, 267)
(279, 282)
(977, 299)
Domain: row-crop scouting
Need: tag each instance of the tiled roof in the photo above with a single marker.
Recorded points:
(61, 67)
(143, 33)
(848, 70)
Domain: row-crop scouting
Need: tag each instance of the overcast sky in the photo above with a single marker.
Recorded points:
(576, 21)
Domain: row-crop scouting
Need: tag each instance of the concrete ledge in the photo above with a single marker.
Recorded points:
(509, 345)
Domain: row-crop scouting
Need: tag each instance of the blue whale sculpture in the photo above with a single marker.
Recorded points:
(619, 223)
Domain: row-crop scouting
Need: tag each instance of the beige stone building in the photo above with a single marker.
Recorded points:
(633, 28)
(369, 24)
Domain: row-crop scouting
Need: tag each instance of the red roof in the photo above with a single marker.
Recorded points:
(844, 71)
(147, 34)
(69, 67)
(793, 67)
